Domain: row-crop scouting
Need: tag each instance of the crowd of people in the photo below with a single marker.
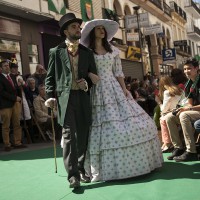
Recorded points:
(21, 97)
(108, 131)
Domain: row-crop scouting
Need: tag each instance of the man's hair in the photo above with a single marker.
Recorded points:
(29, 80)
(194, 62)
(2, 62)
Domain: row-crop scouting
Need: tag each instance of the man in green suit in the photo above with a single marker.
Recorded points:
(68, 83)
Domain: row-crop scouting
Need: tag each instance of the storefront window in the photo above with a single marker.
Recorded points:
(33, 57)
(10, 50)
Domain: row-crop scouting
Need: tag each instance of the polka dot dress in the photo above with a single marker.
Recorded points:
(123, 139)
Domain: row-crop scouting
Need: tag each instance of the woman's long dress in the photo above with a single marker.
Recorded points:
(123, 139)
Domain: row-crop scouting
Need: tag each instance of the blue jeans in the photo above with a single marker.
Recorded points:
(197, 125)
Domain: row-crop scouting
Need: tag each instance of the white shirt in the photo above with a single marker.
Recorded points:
(169, 102)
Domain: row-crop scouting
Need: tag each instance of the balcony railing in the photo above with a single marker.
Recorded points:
(157, 3)
(186, 49)
(193, 29)
(167, 9)
(189, 3)
(175, 8)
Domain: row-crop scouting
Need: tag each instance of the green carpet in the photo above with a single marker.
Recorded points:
(30, 176)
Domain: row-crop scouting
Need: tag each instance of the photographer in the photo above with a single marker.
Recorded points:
(185, 116)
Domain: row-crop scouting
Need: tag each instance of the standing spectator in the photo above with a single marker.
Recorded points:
(10, 107)
(186, 116)
(39, 75)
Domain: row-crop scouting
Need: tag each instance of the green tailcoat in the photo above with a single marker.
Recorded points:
(59, 75)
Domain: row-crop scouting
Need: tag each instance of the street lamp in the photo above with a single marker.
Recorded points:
(136, 8)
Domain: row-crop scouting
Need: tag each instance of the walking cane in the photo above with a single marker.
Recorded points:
(54, 137)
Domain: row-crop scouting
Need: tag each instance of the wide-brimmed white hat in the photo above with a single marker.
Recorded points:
(110, 26)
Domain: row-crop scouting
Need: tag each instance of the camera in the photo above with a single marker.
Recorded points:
(175, 111)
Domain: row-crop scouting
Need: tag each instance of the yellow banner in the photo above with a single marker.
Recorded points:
(133, 53)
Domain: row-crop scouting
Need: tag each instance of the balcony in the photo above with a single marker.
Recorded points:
(193, 32)
(178, 12)
(184, 50)
(157, 3)
(192, 8)
(157, 8)
(167, 9)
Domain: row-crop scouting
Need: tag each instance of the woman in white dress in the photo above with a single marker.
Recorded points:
(123, 139)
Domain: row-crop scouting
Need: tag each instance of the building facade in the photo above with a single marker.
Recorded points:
(29, 28)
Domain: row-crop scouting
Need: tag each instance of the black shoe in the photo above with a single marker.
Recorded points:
(186, 156)
(176, 152)
(74, 182)
(8, 149)
(84, 178)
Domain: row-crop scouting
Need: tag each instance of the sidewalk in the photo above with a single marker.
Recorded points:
(30, 147)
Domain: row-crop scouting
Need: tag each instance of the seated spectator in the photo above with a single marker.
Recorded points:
(41, 111)
(32, 91)
(39, 75)
(143, 95)
(185, 116)
(169, 96)
(178, 77)
(197, 126)
(133, 90)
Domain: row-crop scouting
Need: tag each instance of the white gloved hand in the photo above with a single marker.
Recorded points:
(50, 103)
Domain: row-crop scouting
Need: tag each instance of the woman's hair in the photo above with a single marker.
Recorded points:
(105, 43)
(166, 83)
(178, 76)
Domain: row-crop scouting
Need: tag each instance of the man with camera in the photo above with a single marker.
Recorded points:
(185, 116)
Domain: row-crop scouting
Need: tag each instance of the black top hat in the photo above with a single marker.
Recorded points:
(67, 19)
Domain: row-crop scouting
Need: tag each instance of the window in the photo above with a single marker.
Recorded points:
(10, 50)
(33, 57)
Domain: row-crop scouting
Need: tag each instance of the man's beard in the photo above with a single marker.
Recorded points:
(74, 37)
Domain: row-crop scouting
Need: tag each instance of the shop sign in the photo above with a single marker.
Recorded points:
(132, 37)
(133, 53)
(169, 54)
(180, 43)
(152, 29)
(131, 20)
